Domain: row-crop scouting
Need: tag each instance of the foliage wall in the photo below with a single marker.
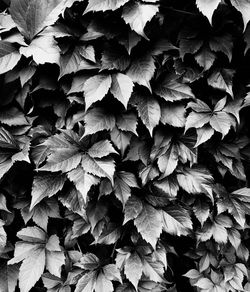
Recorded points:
(124, 145)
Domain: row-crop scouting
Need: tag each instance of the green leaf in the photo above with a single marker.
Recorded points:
(121, 88)
(138, 14)
(149, 224)
(95, 88)
(33, 16)
(45, 186)
(208, 7)
(83, 181)
(244, 7)
(172, 90)
(103, 5)
(176, 221)
(9, 56)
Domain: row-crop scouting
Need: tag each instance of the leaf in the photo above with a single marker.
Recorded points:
(9, 56)
(205, 58)
(31, 269)
(103, 284)
(142, 70)
(222, 44)
(172, 90)
(121, 88)
(133, 269)
(97, 119)
(244, 7)
(83, 181)
(204, 283)
(173, 114)
(149, 224)
(101, 149)
(222, 122)
(43, 49)
(104, 5)
(149, 111)
(201, 210)
(13, 117)
(45, 186)
(33, 16)
(87, 282)
(127, 122)
(176, 221)
(168, 162)
(138, 14)
(208, 7)
(120, 139)
(192, 274)
(196, 180)
(222, 79)
(89, 261)
(124, 181)
(203, 134)
(99, 167)
(54, 262)
(133, 208)
(95, 88)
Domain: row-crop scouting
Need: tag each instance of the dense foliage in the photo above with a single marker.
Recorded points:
(124, 145)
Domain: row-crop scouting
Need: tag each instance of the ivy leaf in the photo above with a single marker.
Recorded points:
(173, 114)
(45, 186)
(208, 7)
(176, 221)
(203, 134)
(101, 149)
(97, 119)
(127, 122)
(124, 181)
(100, 167)
(121, 139)
(95, 88)
(196, 180)
(149, 111)
(83, 181)
(244, 8)
(149, 224)
(222, 79)
(172, 90)
(64, 156)
(43, 49)
(142, 70)
(104, 5)
(201, 210)
(222, 44)
(32, 17)
(205, 58)
(121, 88)
(133, 269)
(138, 14)
(133, 208)
(9, 56)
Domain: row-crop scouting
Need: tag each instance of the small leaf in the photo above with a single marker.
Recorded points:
(222, 79)
(104, 5)
(9, 56)
(101, 149)
(133, 269)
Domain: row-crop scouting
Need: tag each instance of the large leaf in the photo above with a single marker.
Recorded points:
(149, 224)
(176, 221)
(95, 88)
(33, 16)
(208, 7)
(83, 181)
(133, 269)
(122, 87)
(9, 56)
(172, 90)
(97, 119)
(138, 14)
(222, 79)
(43, 49)
(45, 186)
